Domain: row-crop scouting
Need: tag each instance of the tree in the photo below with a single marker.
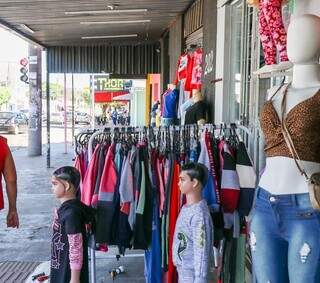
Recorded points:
(4, 95)
(86, 95)
(56, 90)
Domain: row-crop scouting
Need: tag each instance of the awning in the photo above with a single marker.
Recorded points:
(124, 97)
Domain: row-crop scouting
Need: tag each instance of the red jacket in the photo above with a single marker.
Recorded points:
(89, 179)
(3, 154)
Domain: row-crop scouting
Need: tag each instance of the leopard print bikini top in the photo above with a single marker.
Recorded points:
(303, 123)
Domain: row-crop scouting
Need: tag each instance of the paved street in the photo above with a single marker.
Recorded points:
(31, 242)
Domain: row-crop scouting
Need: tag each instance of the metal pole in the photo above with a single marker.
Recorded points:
(92, 251)
(48, 111)
(92, 102)
(34, 123)
(73, 121)
(65, 112)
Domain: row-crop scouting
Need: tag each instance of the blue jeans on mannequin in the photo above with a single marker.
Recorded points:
(285, 238)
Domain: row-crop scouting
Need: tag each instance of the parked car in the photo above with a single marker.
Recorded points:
(82, 118)
(13, 122)
(56, 118)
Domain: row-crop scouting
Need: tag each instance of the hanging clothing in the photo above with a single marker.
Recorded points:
(184, 63)
(135, 189)
(272, 32)
(106, 199)
(100, 165)
(90, 178)
(174, 212)
(196, 74)
(143, 226)
(4, 150)
(183, 97)
(170, 103)
(230, 187)
(208, 191)
(153, 271)
(247, 180)
(168, 177)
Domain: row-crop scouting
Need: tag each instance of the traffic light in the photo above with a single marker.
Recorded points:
(23, 70)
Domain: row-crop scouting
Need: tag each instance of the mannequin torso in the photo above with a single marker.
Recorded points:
(307, 7)
(281, 175)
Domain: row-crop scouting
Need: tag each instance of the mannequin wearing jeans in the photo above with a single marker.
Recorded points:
(284, 228)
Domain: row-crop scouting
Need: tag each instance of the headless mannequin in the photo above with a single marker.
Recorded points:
(281, 175)
(196, 114)
(171, 86)
(197, 97)
(307, 7)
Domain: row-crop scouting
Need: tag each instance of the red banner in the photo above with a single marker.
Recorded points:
(106, 96)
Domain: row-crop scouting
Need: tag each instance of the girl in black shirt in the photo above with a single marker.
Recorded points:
(69, 257)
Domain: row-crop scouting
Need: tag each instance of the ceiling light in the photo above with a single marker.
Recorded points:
(109, 36)
(26, 28)
(104, 12)
(116, 22)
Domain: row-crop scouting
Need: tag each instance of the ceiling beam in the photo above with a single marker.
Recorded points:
(21, 34)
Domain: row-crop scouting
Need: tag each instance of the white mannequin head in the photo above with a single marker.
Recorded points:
(303, 43)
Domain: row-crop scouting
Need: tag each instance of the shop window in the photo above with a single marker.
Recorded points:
(235, 68)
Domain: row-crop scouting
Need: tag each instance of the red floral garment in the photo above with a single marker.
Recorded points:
(272, 32)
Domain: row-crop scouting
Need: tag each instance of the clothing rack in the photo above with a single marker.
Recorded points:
(169, 135)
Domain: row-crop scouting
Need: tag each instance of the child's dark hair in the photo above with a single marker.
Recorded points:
(69, 174)
(196, 171)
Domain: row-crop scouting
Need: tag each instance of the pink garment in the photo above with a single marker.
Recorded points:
(159, 170)
(272, 32)
(89, 179)
(75, 251)
(78, 164)
(196, 69)
(182, 68)
(109, 177)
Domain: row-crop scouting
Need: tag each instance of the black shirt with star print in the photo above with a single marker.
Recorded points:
(70, 219)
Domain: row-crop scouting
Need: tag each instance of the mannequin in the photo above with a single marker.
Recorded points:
(272, 34)
(169, 105)
(307, 7)
(284, 228)
(278, 176)
(197, 113)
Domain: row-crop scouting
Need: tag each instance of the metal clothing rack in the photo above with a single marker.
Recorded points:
(245, 133)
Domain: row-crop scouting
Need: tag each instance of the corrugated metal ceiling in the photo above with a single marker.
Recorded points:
(54, 28)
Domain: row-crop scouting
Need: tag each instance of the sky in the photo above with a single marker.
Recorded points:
(12, 48)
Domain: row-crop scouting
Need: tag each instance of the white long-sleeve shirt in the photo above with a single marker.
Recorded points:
(193, 241)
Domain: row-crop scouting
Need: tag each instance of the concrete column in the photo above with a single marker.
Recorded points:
(35, 107)
(176, 44)
(165, 62)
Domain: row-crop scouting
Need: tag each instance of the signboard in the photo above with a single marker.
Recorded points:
(33, 60)
(104, 83)
(107, 96)
(105, 89)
